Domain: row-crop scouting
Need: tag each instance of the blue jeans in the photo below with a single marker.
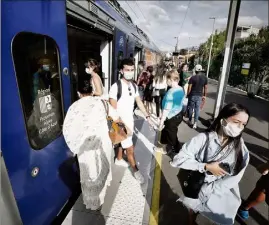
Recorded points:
(194, 103)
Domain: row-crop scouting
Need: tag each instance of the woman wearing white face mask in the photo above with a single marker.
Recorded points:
(172, 116)
(93, 67)
(219, 158)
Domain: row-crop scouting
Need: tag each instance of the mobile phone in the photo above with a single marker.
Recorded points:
(225, 167)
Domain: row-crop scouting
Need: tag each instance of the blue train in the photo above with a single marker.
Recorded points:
(39, 174)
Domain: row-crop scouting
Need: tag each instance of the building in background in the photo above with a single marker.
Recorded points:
(243, 32)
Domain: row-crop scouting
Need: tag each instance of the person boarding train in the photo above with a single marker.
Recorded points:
(124, 106)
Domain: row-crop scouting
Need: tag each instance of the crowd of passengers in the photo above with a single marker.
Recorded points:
(212, 163)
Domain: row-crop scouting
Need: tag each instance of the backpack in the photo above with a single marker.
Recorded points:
(119, 92)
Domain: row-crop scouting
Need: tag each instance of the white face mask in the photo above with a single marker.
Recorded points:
(128, 75)
(46, 67)
(231, 129)
(88, 70)
(79, 95)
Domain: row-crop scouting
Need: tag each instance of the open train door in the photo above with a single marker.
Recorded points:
(137, 54)
(35, 92)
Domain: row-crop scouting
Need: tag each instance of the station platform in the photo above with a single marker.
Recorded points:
(155, 202)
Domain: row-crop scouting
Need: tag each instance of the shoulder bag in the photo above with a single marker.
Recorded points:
(117, 131)
(191, 181)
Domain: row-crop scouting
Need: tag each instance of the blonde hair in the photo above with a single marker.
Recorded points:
(173, 75)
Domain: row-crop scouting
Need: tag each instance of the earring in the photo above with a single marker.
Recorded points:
(223, 122)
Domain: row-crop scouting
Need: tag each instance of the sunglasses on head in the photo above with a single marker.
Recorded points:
(130, 91)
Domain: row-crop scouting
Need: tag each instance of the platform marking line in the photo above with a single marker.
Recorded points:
(155, 202)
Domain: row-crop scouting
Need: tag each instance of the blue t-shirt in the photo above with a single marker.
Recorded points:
(173, 101)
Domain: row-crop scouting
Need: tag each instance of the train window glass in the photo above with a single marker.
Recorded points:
(120, 58)
(36, 62)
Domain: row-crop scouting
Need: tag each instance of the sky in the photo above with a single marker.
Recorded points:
(162, 21)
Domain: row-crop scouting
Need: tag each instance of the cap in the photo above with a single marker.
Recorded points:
(198, 67)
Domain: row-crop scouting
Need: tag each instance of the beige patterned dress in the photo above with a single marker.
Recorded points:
(86, 133)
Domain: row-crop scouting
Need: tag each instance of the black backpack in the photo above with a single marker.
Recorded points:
(119, 93)
(119, 85)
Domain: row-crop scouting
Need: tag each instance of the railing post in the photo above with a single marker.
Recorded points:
(229, 45)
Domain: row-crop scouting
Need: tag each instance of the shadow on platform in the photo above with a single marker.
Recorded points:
(258, 108)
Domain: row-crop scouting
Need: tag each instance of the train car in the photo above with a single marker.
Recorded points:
(45, 45)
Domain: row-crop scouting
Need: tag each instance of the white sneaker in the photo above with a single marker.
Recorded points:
(139, 177)
(121, 162)
(194, 126)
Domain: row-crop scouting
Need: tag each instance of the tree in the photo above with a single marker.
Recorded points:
(253, 49)
(191, 62)
(183, 51)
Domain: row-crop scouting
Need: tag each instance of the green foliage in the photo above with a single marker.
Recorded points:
(183, 51)
(191, 62)
(254, 50)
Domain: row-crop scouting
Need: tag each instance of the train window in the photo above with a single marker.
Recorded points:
(36, 62)
(120, 58)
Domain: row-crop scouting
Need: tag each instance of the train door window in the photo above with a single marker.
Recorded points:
(36, 62)
(119, 59)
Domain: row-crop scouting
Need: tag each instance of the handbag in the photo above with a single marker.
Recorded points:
(117, 131)
(155, 92)
(192, 181)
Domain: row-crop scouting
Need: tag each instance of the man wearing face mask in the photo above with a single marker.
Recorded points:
(42, 78)
(125, 105)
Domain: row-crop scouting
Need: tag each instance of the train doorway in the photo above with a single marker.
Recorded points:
(137, 58)
(85, 42)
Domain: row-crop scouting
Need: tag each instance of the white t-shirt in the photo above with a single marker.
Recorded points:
(125, 105)
(160, 85)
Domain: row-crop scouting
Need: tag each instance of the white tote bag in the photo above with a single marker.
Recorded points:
(155, 92)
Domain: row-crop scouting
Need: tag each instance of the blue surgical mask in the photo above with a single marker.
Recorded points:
(46, 67)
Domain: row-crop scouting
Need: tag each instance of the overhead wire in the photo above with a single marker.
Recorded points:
(131, 9)
(144, 18)
(140, 10)
(137, 16)
(165, 42)
(184, 17)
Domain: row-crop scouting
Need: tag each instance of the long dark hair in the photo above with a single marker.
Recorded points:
(150, 69)
(182, 66)
(227, 111)
(160, 73)
(84, 84)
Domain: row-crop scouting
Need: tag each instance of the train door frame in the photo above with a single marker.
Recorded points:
(106, 53)
(118, 53)
(137, 56)
(84, 44)
(37, 173)
(89, 17)
(8, 205)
